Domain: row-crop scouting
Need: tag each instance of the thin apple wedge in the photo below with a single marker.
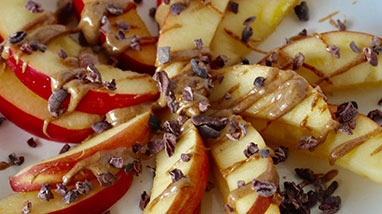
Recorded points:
(103, 197)
(242, 163)
(178, 29)
(90, 158)
(30, 112)
(180, 179)
(352, 151)
(338, 69)
(243, 30)
(273, 95)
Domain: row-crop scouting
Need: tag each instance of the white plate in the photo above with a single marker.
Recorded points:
(358, 194)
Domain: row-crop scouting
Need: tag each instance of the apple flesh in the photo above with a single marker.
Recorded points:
(323, 68)
(76, 164)
(184, 195)
(30, 112)
(103, 197)
(231, 165)
(227, 40)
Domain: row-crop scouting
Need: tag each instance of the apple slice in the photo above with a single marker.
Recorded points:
(273, 95)
(238, 163)
(178, 31)
(351, 151)
(181, 195)
(90, 157)
(142, 59)
(103, 197)
(39, 70)
(228, 39)
(321, 67)
(30, 112)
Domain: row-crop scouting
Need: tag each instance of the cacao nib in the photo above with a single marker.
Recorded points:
(334, 50)
(199, 68)
(116, 162)
(298, 61)
(137, 147)
(2, 119)
(164, 83)
(27, 208)
(280, 154)
(370, 56)
(106, 179)
(164, 55)
(198, 43)
(45, 192)
(94, 74)
(62, 54)
(26, 48)
(341, 25)
(376, 44)
(135, 43)
(214, 122)
(61, 189)
(114, 10)
(187, 94)
(33, 7)
(246, 33)
(236, 130)
(123, 26)
(220, 61)
(376, 116)
(155, 146)
(32, 142)
(233, 7)
(209, 186)
(83, 187)
(354, 47)
(17, 37)
(176, 175)
(152, 12)
(169, 143)
(306, 174)
(110, 85)
(240, 183)
(308, 143)
(208, 132)
(71, 196)
(251, 149)
(331, 204)
(203, 105)
(55, 101)
(347, 111)
(135, 166)
(264, 188)
(249, 20)
(154, 123)
(144, 200)
(64, 148)
(228, 208)
(259, 81)
(264, 153)
(244, 61)
(15, 159)
(302, 11)
(185, 157)
(101, 126)
(177, 8)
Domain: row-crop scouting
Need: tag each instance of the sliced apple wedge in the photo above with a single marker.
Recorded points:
(322, 67)
(117, 37)
(351, 151)
(90, 157)
(238, 163)
(178, 30)
(103, 197)
(275, 96)
(228, 39)
(181, 194)
(30, 112)
(41, 70)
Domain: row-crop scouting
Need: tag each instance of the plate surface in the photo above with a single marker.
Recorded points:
(358, 194)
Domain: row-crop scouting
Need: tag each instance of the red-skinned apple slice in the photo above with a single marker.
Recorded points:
(87, 158)
(36, 70)
(103, 197)
(141, 60)
(29, 111)
(183, 195)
